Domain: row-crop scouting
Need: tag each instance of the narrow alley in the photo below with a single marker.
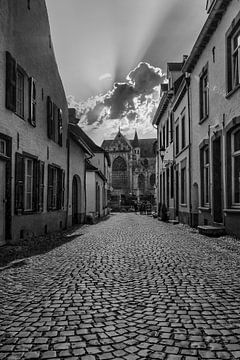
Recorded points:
(130, 287)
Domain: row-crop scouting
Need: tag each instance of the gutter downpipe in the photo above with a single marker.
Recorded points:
(157, 169)
(85, 186)
(188, 80)
(68, 176)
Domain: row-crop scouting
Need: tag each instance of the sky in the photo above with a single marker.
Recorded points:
(112, 57)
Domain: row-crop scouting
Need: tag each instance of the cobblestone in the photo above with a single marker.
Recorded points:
(128, 288)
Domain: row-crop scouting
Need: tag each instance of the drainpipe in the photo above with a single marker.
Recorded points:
(157, 169)
(188, 79)
(68, 176)
(85, 185)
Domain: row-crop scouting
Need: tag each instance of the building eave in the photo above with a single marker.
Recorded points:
(206, 33)
(164, 102)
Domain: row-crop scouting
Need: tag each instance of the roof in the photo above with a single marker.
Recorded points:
(147, 147)
(174, 66)
(162, 107)
(217, 10)
(106, 144)
(135, 142)
(76, 135)
(91, 168)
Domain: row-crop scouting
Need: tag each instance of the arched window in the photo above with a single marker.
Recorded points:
(152, 179)
(141, 182)
(145, 163)
(119, 173)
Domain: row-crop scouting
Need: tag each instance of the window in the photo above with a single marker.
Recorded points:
(54, 122)
(167, 133)
(233, 54)
(20, 93)
(119, 173)
(171, 127)
(204, 160)
(3, 147)
(177, 139)
(141, 182)
(28, 201)
(204, 93)
(164, 137)
(183, 185)
(32, 101)
(183, 133)
(29, 184)
(152, 179)
(236, 167)
(56, 186)
(11, 82)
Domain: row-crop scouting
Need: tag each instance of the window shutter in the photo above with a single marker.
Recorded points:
(19, 183)
(49, 117)
(50, 187)
(11, 80)
(41, 186)
(35, 185)
(32, 102)
(63, 188)
(59, 188)
(60, 127)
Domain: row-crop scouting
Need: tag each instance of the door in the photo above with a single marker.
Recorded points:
(2, 201)
(177, 192)
(74, 201)
(217, 181)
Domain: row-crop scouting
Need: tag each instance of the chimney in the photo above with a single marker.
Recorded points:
(72, 116)
(185, 58)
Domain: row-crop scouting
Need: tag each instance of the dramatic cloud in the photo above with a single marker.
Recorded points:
(131, 104)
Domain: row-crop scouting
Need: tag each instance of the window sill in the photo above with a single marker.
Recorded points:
(204, 208)
(20, 116)
(180, 152)
(232, 210)
(230, 93)
(203, 119)
(183, 205)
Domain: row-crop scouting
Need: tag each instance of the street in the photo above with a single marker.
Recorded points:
(130, 287)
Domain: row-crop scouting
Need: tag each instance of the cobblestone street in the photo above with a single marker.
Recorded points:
(129, 288)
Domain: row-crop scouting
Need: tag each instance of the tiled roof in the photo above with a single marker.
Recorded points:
(174, 66)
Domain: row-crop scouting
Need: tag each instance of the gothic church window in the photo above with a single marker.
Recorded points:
(119, 173)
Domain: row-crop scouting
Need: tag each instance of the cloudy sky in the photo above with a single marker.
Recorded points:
(112, 56)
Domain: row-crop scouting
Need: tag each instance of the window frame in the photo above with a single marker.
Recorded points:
(204, 94)
(20, 98)
(234, 155)
(231, 34)
(205, 174)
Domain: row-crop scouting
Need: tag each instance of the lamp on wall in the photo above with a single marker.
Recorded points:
(162, 152)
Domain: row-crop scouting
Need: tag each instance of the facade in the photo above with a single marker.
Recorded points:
(132, 173)
(97, 173)
(214, 65)
(78, 153)
(33, 125)
(203, 103)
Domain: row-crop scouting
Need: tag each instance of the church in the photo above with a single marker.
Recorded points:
(132, 175)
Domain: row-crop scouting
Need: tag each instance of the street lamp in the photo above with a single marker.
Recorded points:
(162, 152)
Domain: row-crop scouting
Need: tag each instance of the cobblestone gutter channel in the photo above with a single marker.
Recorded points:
(128, 288)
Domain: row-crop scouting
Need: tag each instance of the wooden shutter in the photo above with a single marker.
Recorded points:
(59, 188)
(50, 187)
(19, 183)
(32, 101)
(11, 80)
(49, 117)
(41, 186)
(63, 188)
(60, 127)
(35, 185)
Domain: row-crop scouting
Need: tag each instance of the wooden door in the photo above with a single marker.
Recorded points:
(2, 201)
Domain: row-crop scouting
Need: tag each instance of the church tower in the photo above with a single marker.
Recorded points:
(136, 147)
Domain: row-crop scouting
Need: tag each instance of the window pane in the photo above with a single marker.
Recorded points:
(237, 140)
(237, 179)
